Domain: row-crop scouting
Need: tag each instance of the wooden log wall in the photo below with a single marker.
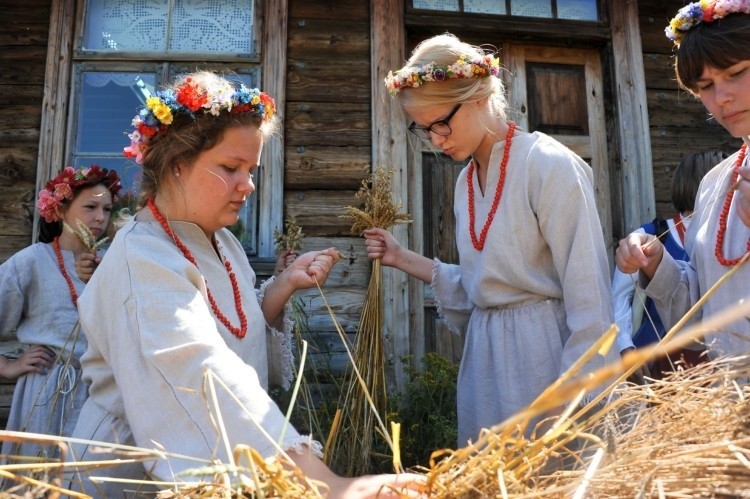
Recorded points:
(327, 136)
(678, 121)
(23, 43)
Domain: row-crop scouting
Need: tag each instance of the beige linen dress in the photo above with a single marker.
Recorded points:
(36, 308)
(153, 340)
(538, 295)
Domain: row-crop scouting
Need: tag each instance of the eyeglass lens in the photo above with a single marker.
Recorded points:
(440, 127)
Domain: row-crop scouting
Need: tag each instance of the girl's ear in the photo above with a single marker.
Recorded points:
(60, 211)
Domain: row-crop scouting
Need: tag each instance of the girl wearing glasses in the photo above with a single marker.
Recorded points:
(532, 289)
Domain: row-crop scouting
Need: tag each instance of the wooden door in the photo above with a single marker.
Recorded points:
(559, 92)
(552, 90)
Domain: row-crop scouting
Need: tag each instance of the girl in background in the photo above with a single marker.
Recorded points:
(39, 291)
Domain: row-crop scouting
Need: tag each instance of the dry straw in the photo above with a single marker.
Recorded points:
(291, 238)
(684, 436)
(363, 398)
(85, 236)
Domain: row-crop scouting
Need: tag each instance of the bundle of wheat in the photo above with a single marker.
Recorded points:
(363, 398)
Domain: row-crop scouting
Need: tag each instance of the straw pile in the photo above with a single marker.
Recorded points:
(364, 398)
(687, 435)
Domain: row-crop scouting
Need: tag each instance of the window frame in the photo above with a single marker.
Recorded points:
(508, 8)
(421, 23)
(65, 60)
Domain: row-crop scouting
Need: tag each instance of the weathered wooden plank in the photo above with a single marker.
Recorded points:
(319, 212)
(27, 11)
(344, 302)
(653, 38)
(10, 245)
(18, 165)
(20, 122)
(274, 82)
(659, 70)
(319, 167)
(23, 65)
(24, 34)
(632, 102)
(329, 41)
(353, 10)
(328, 124)
(57, 71)
(389, 150)
(676, 108)
(11, 94)
(16, 209)
(319, 80)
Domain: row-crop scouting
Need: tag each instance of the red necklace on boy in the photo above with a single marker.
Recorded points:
(725, 213)
(61, 263)
(239, 332)
(679, 225)
(478, 242)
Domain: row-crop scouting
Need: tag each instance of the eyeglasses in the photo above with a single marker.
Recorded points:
(440, 127)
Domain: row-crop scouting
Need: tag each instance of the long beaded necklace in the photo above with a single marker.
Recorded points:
(239, 332)
(479, 242)
(719, 251)
(61, 263)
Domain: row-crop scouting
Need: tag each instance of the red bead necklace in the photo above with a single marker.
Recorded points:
(679, 225)
(239, 332)
(725, 213)
(479, 242)
(61, 263)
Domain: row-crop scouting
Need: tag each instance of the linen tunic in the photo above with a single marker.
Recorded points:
(624, 286)
(36, 309)
(676, 286)
(538, 295)
(152, 340)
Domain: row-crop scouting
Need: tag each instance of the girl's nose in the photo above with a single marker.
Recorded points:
(248, 186)
(436, 139)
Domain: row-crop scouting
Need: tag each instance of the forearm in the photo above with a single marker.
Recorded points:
(415, 265)
(275, 297)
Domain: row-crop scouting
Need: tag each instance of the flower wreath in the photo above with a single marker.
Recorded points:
(189, 98)
(68, 181)
(464, 67)
(706, 11)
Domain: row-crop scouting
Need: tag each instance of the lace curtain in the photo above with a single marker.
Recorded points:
(170, 26)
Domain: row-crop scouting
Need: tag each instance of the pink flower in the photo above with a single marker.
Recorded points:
(47, 206)
(63, 192)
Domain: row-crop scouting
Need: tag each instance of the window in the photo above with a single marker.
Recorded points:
(129, 49)
(580, 10)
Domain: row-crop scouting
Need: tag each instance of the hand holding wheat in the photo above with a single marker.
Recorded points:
(86, 262)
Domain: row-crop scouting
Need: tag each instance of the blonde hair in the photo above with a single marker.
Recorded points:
(445, 49)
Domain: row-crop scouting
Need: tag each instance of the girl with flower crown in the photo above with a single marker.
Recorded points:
(39, 289)
(185, 307)
(532, 288)
(712, 39)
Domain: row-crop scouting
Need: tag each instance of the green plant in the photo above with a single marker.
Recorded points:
(426, 410)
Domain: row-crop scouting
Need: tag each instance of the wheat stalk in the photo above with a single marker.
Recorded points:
(85, 236)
